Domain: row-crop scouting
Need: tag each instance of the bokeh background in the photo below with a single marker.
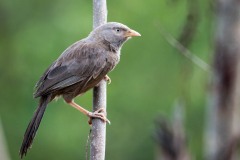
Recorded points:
(150, 78)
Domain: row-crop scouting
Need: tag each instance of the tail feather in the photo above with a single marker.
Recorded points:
(33, 125)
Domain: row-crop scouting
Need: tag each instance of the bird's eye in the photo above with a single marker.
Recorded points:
(117, 30)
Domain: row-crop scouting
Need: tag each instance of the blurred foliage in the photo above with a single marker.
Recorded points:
(150, 76)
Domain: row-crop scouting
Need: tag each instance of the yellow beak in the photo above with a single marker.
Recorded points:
(132, 33)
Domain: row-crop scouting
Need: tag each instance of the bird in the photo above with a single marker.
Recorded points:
(78, 69)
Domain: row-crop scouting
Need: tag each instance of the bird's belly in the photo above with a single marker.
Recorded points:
(80, 88)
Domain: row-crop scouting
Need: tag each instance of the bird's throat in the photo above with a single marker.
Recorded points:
(112, 47)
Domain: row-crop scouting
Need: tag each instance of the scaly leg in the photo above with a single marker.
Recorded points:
(97, 114)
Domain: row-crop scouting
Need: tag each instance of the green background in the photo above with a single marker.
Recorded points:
(151, 76)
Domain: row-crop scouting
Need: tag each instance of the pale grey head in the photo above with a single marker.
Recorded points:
(113, 33)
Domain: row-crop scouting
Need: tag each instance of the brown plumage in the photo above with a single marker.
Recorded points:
(79, 68)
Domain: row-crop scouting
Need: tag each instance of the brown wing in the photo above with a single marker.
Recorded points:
(80, 62)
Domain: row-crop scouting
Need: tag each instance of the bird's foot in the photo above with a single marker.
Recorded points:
(98, 114)
(108, 79)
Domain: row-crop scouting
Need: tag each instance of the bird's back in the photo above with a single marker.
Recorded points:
(79, 68)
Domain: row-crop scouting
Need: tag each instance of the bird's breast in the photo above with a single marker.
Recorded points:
(113, 58)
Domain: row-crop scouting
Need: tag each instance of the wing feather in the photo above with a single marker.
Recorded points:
(80, 62)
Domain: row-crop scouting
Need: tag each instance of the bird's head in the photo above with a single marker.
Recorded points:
(113, 33)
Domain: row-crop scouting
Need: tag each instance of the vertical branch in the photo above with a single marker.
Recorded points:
(189, 29)
(98, 133)
(170, 136)
(223, 111)
(3, 145)
(99, 12)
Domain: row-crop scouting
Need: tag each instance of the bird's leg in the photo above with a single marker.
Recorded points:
(108, 79)
(97, 114)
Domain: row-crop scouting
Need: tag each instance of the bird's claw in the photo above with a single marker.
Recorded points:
(98, 114)
(108, 79)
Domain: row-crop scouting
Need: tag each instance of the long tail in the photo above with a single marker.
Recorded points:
(33, 125)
